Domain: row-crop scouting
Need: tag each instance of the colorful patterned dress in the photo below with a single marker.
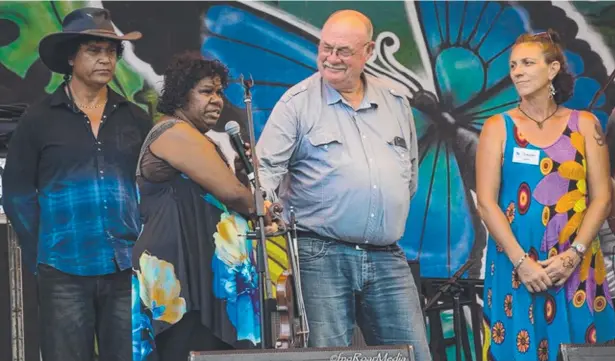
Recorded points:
(191, 255)
(545, 204)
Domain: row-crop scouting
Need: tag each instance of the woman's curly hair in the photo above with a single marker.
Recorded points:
(182, 75)
(552, 49)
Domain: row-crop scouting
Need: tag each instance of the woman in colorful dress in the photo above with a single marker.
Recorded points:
(195, 287)
(543, 191)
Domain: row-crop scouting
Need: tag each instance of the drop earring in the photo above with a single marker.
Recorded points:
(551, 91)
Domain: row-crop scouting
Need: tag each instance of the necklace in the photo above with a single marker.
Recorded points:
(83, 106)
(541, 123)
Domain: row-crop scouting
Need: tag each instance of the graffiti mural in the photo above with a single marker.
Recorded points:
(451, 57)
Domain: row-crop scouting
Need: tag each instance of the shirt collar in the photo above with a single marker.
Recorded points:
(60, 97)
(332, 96)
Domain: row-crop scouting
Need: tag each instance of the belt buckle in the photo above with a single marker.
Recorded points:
(358, 248)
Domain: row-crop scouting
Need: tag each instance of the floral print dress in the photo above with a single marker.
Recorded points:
(191, 255)
(545, 201)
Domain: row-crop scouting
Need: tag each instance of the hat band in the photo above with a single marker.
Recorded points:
(100, 31)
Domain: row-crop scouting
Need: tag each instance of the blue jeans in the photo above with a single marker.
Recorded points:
(340, 282)
(75, 309)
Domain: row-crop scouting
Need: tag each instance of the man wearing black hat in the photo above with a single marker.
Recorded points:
(70, 194)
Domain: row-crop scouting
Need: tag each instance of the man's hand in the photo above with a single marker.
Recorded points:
(273, 217)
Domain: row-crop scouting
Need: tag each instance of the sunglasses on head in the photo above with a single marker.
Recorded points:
(544, 34)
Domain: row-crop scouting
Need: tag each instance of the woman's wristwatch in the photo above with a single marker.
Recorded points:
(579, 249)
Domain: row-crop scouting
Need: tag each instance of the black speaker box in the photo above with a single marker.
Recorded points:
(380, 353)
(604, 352)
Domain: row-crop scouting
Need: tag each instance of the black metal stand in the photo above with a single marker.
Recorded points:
(454, 289)
(265, 295)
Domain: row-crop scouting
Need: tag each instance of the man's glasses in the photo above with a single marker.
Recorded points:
(342, 52)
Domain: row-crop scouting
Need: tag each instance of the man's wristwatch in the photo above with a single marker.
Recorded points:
(579, 249)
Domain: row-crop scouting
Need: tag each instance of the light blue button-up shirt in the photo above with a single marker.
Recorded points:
(349, 174)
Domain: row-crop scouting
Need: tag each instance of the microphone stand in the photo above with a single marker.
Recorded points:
(453, 288)
(265, 295)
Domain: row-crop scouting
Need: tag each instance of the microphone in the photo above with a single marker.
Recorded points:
(233, 130)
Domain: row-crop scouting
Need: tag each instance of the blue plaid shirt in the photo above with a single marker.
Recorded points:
(71, 197)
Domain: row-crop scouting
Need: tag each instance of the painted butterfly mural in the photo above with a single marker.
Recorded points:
(460, 80)
(464, 49)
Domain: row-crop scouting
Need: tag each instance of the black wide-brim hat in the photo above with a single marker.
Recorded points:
(92, 22)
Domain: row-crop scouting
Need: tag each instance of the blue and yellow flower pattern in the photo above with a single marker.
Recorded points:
(160, 289)
(155, 296)
(142, 329)
(235, 276)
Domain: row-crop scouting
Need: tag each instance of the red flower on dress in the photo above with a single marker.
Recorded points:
(510, 212)
(550, 309)
(546, 215)
(524, 198)
(579, 298)
(498, 332)
(546, 165)
(523, 341)
(543, 350)
(590, 334)
(519, 138)
(508, 305)
(533, 254)
(600, 304)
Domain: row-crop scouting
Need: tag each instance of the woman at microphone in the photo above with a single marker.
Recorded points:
(195, 285)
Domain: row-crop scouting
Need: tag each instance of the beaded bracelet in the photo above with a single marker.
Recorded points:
(519, 263)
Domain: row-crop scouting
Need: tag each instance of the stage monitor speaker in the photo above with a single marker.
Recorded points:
(588, 352)
(375, 353)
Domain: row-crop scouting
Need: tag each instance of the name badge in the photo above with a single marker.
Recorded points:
(526, 156)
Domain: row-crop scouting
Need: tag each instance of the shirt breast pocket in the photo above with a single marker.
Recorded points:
(129, 141)
(328, 148)
(401, 156)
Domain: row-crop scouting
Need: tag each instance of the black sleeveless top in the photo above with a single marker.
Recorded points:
(191, 255)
